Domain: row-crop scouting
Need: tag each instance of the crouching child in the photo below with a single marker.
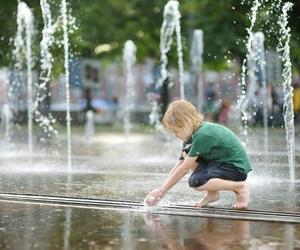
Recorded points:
(212, 152)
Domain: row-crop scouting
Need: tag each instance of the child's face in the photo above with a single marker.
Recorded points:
(183, 133)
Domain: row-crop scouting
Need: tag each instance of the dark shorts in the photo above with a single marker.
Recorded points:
(206, 171)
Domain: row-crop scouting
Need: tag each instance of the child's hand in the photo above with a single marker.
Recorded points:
(153, 197)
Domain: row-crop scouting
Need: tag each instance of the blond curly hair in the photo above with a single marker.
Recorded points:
(180, 114)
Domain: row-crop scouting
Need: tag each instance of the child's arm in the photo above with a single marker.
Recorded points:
(175, 175)
(178, 163)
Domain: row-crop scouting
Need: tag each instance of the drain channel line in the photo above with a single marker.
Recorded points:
(138, 207)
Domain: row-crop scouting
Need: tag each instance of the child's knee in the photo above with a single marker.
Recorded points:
(196, 182)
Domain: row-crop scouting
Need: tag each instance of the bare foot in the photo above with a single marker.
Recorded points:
(242, 197)
(208, 198)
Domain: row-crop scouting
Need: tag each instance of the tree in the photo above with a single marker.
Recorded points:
(111, 22)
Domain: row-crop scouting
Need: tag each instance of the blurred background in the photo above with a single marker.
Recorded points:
(83, 87)
(97, 34)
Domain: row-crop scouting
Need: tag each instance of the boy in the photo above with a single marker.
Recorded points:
(214, 154)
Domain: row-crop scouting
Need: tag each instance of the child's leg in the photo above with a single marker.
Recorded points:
(209, 197)
(217, 176)
(240, 188)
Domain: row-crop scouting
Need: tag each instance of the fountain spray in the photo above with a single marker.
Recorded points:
(249, 57)
(260, 58)
(6, 117)
(45, 119)
(129, 61)
(196, 54)
(171, 24)
(25, 26)
(284, 48)
(66, 65)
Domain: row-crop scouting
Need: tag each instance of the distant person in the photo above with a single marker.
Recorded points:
(115, 107)
(210, 106)
(88, 100)
(277, 107)
(259, 106)
(210, 93)
(223, 113)
(214, 154)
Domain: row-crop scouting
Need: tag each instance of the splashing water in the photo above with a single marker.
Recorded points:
(154, 117)
(249, 95)
(6, 117)
(129, 61)
(45, 121)
(249, 58)
(67, 73)
(261, 62)
(25, 26)
(166, 39)
(196, 52)
(89, 129)
(171, 24)
(180, 55)
(284, 48)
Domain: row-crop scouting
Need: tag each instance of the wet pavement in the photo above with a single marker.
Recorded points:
(28, 226)
(122, 170)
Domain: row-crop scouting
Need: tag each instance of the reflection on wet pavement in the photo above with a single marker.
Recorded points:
(27, 226)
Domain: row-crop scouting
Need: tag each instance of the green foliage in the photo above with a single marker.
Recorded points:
(7, 29)
(224, 23)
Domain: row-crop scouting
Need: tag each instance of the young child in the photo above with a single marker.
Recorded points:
(214, 154)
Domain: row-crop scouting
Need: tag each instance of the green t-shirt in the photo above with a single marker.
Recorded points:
(214, 142)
